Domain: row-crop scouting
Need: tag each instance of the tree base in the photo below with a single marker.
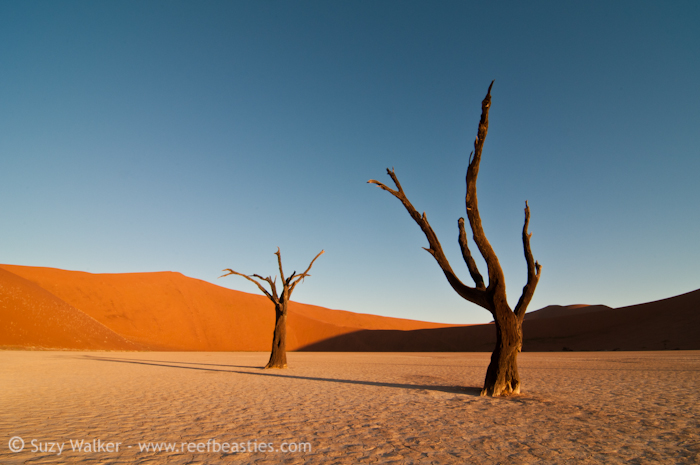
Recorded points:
(502, 377)
(279, 366)
(498, 391)
(278, 357)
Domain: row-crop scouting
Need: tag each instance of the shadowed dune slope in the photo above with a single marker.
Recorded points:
(32, 317)
(672, 323)
(665, 324)
(169, 311)
(552, 311)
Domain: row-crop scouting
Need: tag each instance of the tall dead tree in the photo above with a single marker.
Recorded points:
(502, 376)
(278, 355)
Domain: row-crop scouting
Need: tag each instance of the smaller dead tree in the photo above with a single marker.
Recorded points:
(278, 356)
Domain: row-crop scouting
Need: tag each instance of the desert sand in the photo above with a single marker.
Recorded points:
(604, 407)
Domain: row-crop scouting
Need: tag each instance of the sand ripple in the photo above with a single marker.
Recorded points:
(591, 407)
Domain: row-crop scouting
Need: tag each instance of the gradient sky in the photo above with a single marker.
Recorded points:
(195, 136)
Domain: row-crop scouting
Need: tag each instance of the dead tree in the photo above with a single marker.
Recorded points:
(278, 356)
(502, 376)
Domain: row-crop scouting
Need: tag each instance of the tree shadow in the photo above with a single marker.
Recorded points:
(465, 390)
(252, 367)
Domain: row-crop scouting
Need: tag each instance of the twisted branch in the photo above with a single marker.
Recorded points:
(471, 294)
(533, 270)
(480, 294)
(300, 277)
(272, 297)
(467, 255)
(279, 262)
(496, 279)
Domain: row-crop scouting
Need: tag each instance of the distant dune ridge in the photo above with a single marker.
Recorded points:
(42, 308)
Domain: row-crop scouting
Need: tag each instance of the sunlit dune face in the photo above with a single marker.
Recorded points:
(160, 311)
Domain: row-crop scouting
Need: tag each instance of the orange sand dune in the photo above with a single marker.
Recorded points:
(48, 307)
(169, 311)
(33, 317)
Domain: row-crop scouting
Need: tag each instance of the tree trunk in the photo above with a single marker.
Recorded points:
(502, 376)
(278, 356)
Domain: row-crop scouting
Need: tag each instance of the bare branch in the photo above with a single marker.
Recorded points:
(496, 278)
(476, 296)
(468, 259)
(279, 261)
(250, 278)
(272, 282)
(533, 270)
(395, 193)
(306, 273)
(287, 284)
(289, 279)
(301, 277)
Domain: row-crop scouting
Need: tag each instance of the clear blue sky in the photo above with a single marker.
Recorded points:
(196, 136)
